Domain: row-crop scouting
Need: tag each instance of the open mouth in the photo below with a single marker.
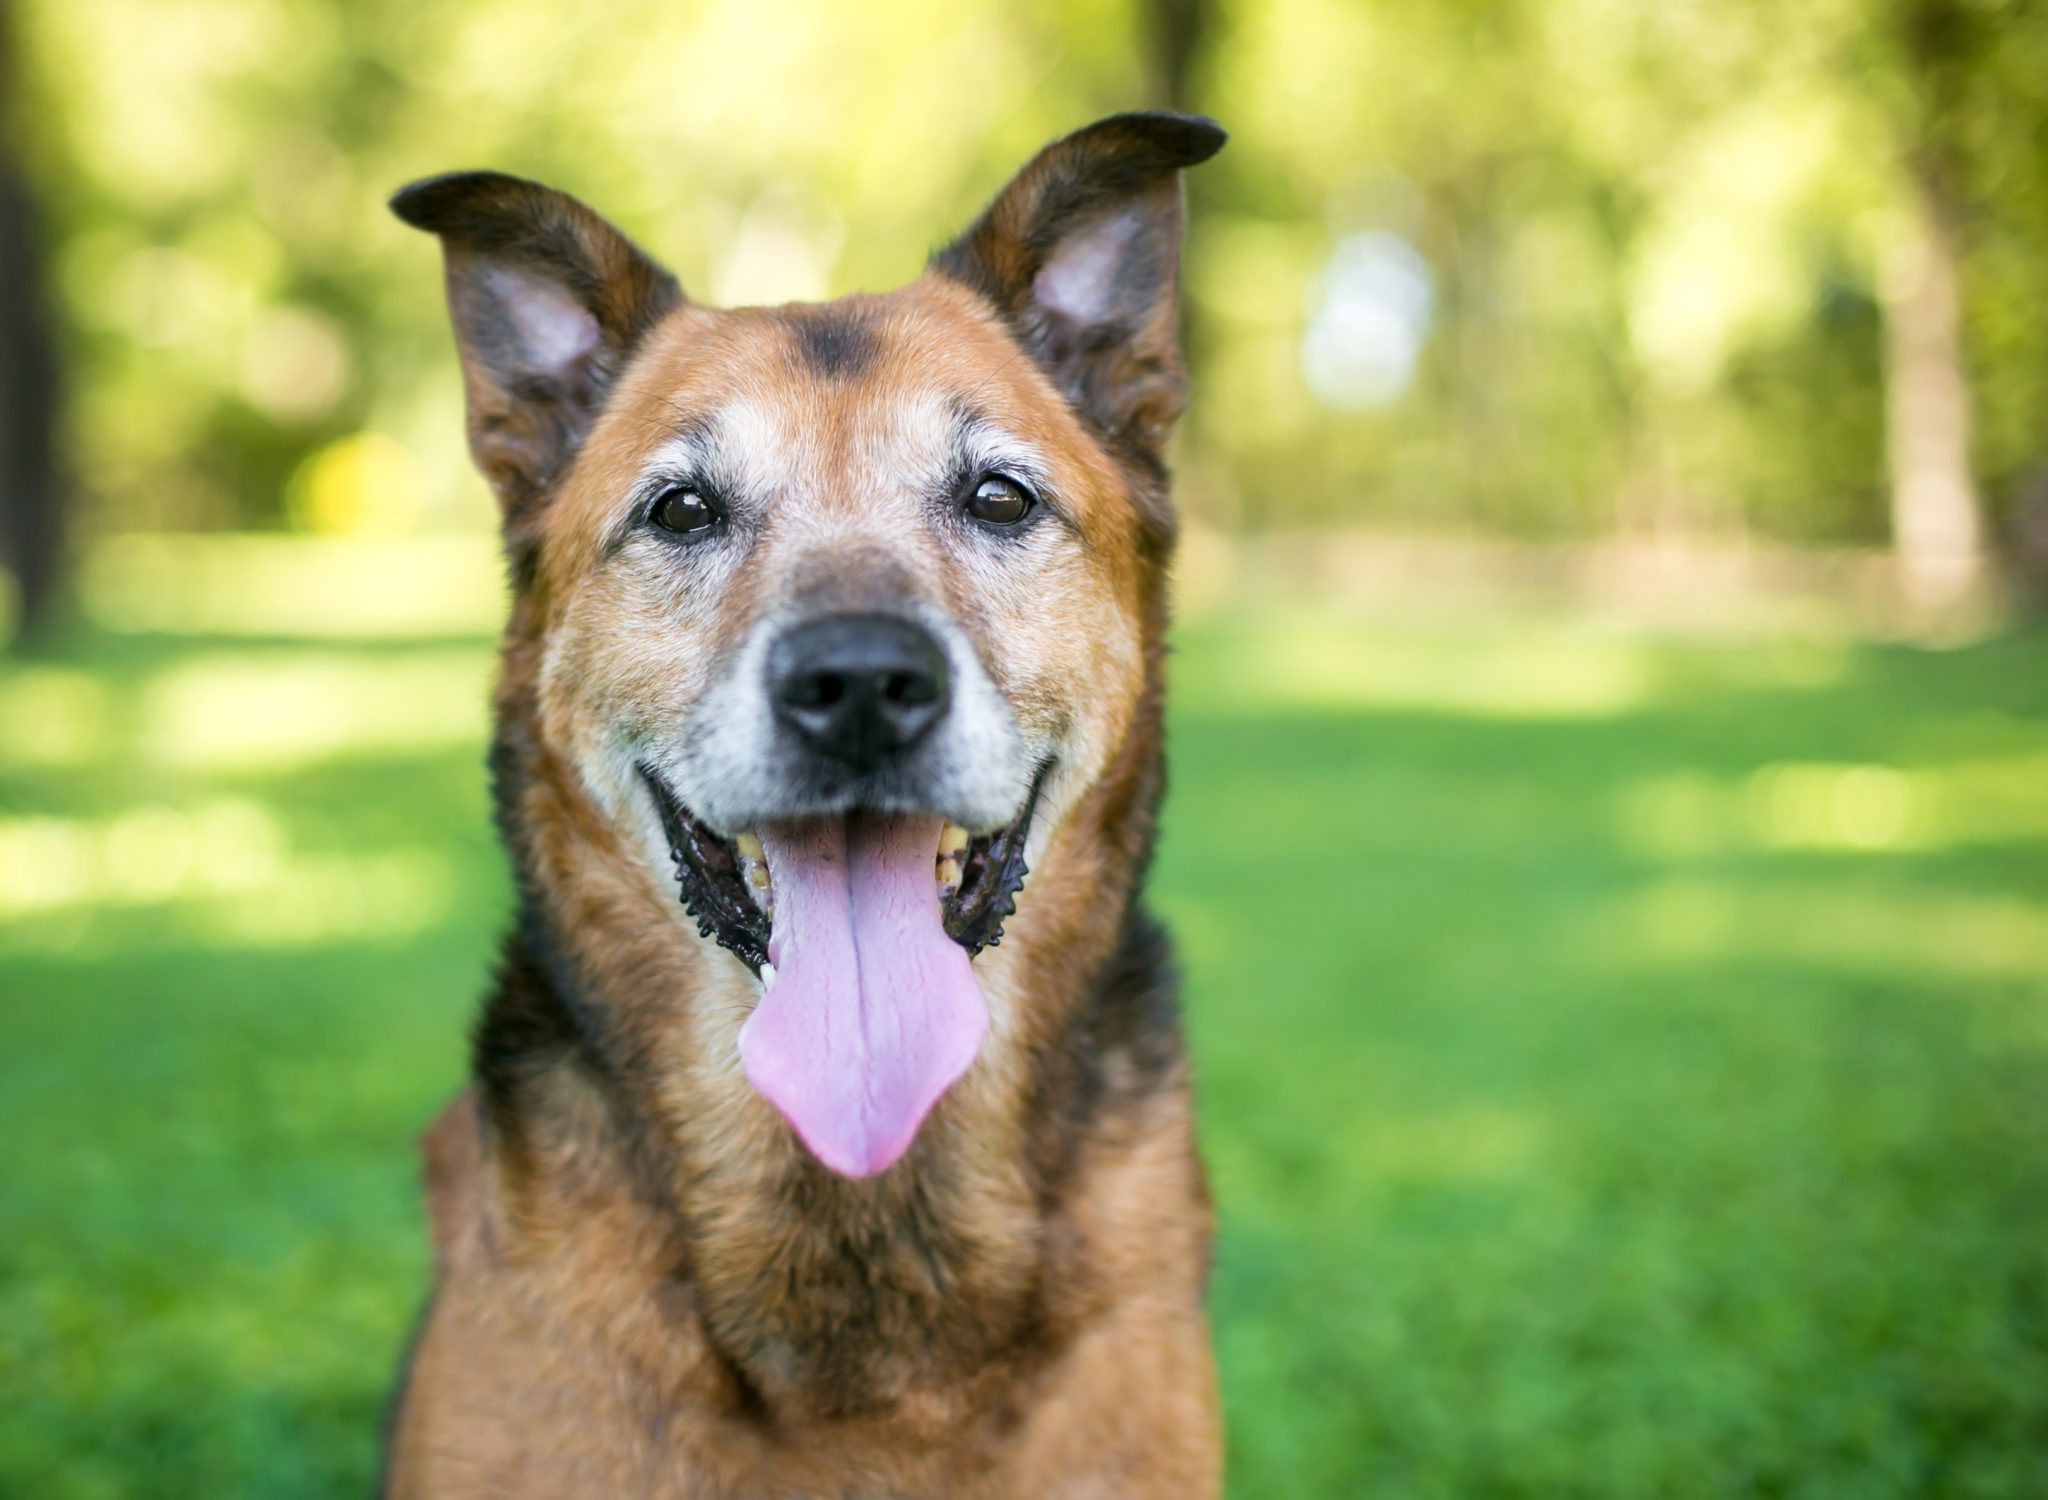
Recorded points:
(728, 884)
(860, 926)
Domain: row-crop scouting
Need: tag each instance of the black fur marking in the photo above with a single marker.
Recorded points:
(1137, 1005)
(992, 871)
(536, 1012)
(711, 888)
(1126, 1047)
(836, 342)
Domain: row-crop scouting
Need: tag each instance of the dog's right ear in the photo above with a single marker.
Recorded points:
(549, 302)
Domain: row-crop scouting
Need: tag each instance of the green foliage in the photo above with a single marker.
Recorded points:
(238, 295)
(1657, 232)
(1622, 1065)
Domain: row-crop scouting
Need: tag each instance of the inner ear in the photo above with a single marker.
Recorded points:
(548, 330)
(1105, 271)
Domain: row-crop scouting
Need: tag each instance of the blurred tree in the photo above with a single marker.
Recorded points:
(1175, 30)
(1665, 245)
(1555, 267)
(1938, 48)
(1934, 505)
(31, 504)
(245, 311)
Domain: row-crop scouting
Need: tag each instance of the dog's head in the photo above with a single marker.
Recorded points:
(842, 608)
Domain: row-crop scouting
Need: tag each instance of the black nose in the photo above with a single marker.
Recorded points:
(858, 688)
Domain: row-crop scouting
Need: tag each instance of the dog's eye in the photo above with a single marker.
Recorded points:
(999, 500)
(683, 511)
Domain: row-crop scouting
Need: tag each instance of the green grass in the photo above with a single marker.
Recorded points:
(1624, 1068)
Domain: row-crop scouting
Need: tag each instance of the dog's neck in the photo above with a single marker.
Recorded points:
(606, 1064)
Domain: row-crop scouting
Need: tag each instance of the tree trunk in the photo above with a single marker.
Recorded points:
(31, 504)
(1176, 32)
(1937, 526)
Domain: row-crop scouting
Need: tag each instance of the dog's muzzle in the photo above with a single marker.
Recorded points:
(870, 798)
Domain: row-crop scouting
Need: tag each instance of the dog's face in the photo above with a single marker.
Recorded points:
(840, 608)
(808, 562)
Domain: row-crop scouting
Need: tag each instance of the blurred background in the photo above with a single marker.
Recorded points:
(1609, 836)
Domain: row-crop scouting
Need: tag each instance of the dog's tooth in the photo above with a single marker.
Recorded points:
(759, 876)
(952, 839)
(949, 872)
(748, 844)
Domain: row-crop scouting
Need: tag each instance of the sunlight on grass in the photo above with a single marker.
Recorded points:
(53, 716)
(1476, 1144)
(1326, 664)
(247, 712)
(228, 868)
(145, 855)
(316, 899)
(1835, 925)
(1532, 671)
(278, 711)
(1849, 807)
(326, 587)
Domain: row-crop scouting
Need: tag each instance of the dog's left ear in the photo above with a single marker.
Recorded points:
(549, 302)
(1081, 252)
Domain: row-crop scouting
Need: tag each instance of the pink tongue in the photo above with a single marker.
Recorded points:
(873, 1010)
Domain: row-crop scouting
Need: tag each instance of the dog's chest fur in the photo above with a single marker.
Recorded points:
(590, 1337)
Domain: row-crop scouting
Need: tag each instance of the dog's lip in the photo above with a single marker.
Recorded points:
(707, 871)
(713, 875)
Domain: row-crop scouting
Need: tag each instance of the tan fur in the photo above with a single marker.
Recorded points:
(645, 1286)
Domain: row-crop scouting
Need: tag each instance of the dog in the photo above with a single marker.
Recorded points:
(829, 1130)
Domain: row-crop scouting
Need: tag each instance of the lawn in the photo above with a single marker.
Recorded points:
(1624, 1065)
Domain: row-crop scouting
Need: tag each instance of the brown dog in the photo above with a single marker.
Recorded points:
(837, 620)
